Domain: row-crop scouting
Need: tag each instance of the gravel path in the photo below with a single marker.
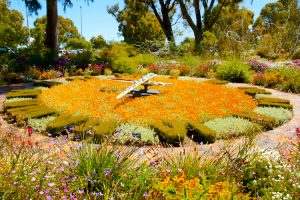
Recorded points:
(279, 137)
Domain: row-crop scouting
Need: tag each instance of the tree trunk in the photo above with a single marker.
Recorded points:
(198, 38)
(52, 28)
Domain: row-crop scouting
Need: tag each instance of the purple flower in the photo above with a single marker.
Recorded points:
(14, 183)
(49, 134)
(46, 191)
(51, 184)
(48, 197)
(89, 132)
(119, 155)
(146, 194)
(107, 171)
(80, 191)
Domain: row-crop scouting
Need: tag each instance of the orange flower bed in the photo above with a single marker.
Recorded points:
(184, 100)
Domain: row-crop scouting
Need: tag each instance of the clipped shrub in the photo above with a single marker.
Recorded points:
(272, 78)
(129, 133)
(234, 71)
(170, 133)
(29, 93)
(274, 104)
(200, 133)
(252, 91)
(59, 124)
(40, 124)
(34, 111)
(218, 82)
(231, 127)
(46, 83)
(273, 100)
(265, 121)
(174, 73)
(281, 115)
(16, 99)
(23, 103)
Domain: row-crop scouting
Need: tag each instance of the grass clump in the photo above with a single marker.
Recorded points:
(234, 71)
(200, 132)
(60, 123)
(280, 115)
(40, 124)
(29, 93)
(170, 133)
(231, 126)
(129, 133)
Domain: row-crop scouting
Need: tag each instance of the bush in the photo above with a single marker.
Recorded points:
(272, 78)
(200, 132)
(267, 122)
(217, 82)
(174, 73)
(253, 91)
(258, 79)
(170, 133)
(258, 66)
(40, 124)
(273, 100)
(27, 112)
(281, 115)
(202, 71)
(274, 104)
(28, 93)
(231, 127)
(107, 71)
(16, 99)
(296, 55)
(23, 103)
(46, 83)
(234, 71)
(135, 134)
(59, 124)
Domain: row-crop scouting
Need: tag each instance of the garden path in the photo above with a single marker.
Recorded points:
(280, 137)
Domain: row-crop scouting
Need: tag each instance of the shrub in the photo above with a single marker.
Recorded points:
(98, 129)
(272, 78)
(51, 74)
(258, 66)
(275, 104)
(281, 115)
(29, 93)
(40, 124)
(16, 99)
(107, 71)
(200, 132)
(174, 73)
(202, 71)
(252, 91)
(258, 79)
(170, 133)
(273, 100)
(124, 65)
(292, 85)
(33, 73)
(46, 83)
(231, 126)
(296, 55)
(218, 82)
(143, 71)
(59, 124)
(23, 103)
(129, 133)
(234, 71)
(267, 122)
(34, 111)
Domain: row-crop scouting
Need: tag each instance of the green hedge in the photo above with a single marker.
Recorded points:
(24, 113)
(62, 121)
(200, 132)
(98, 129)
(272, 104)
(267, 122)
(273, 100)
(218, 82)
(168, 133)
(252, 91)
(46, 83)
(31, 102)
(32, 93)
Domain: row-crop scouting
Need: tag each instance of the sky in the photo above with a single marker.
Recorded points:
(96, 20)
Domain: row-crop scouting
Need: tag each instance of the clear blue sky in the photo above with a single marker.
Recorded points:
(97, 21)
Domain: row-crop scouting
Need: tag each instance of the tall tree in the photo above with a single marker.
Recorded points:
(164, 11)
(66, 30)
(98, 42)
(52, 20)
(205, 18)
(12, 31)
(136, 23)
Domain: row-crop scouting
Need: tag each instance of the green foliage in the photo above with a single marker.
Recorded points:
(40, 124)
(231, 127)
(265, 121)
(12, 31)
(209, 42)
(97, 129)
(234, 71)
(27, 112)
(296, 55)
(16, 99)
(274, 104)
(110, 171)
(200, 132)
(274, 100)
(98, 42)
(174, 73)
(136, 23)
(66, 29)
(218, 82)
(78, 43)
(252, 91)
(267, 174)
(46, 83)
(281, 115)
(129, 133)
(170, 133)
(22, 103)
(28, 93)
(59, 124)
